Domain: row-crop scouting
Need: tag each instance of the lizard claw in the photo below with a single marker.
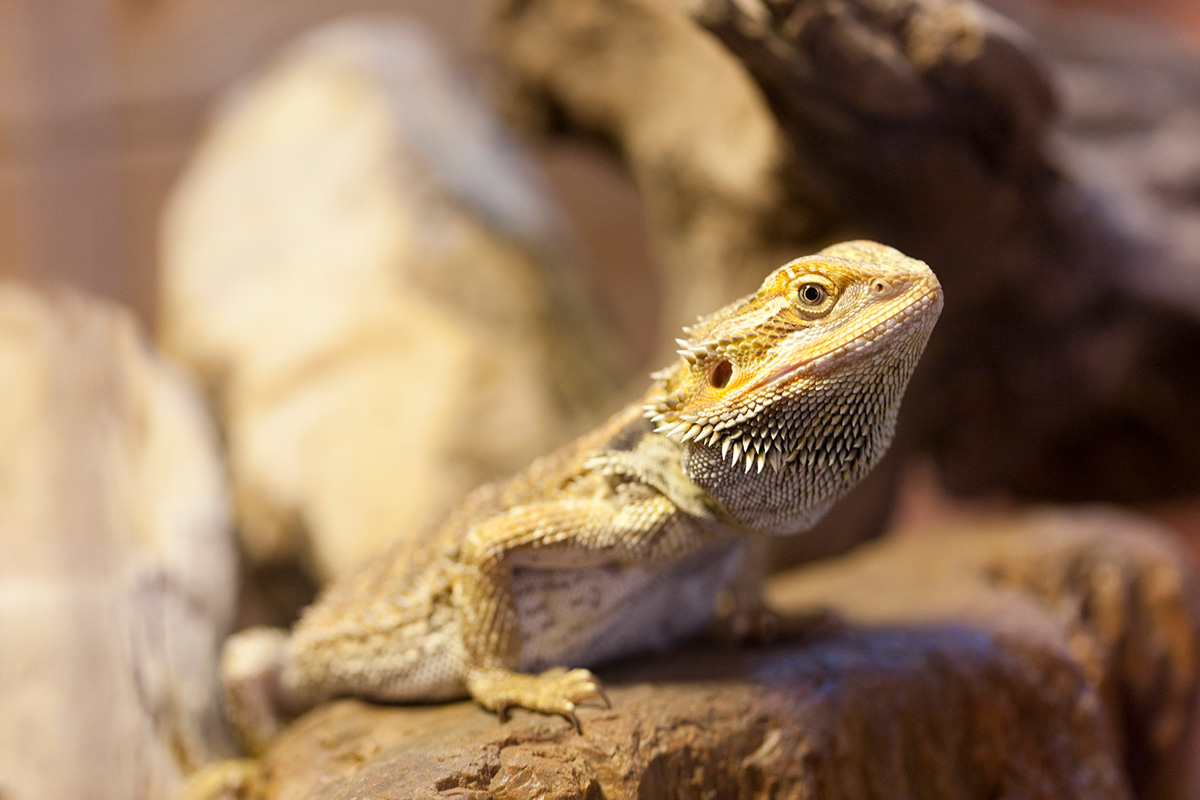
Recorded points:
(555, 691)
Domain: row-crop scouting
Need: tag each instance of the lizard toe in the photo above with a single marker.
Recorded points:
(555, 691)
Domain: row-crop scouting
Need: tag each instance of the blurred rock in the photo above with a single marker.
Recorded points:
(117, 579)
(1049, 656)
(371, 280)
(1064, 366)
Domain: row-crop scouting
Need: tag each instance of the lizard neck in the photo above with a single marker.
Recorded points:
(787, 465)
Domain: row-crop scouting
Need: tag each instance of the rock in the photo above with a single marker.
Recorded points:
(1111, 590)
(1049, 656)
(372, 282)
(117, 581)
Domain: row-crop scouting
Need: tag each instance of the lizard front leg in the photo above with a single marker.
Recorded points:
(743, 614)
(564, 534)
(745, 617)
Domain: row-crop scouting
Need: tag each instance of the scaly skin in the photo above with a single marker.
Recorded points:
(620, 541)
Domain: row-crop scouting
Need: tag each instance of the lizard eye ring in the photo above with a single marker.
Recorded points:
(812, 294)
(720, 375)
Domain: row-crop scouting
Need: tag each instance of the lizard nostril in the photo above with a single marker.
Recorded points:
(880, 287)
(721, 374)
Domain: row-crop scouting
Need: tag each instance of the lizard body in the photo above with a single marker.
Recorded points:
(620, 541)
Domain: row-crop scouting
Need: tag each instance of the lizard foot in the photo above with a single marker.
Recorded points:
(251, 663)
(555, 691)
(225, 780)
(811, 624)
(744, 618)
(759, 625)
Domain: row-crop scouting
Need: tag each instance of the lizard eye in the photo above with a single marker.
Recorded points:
(812, 294)
(720, 375)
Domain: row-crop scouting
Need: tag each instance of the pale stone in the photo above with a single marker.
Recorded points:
(367, 273)
(118, 572)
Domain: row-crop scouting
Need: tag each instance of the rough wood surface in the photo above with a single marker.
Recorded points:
(1064, 367)
(117, 579)
(1129, 133)
(1036, 658)
(1059, 313)
(372, 281)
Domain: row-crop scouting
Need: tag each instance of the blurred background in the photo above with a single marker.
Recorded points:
(102, 103)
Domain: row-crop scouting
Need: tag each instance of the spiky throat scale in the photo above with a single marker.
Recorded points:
(778, 470)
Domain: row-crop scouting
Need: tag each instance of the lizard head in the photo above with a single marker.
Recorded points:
(801, 379)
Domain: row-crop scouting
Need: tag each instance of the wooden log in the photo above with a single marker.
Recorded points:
(1064, 366)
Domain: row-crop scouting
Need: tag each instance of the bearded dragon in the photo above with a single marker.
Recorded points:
(620, 542)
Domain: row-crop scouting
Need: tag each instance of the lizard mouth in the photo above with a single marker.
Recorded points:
(862, 344)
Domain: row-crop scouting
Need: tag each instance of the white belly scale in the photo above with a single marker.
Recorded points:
(585, 617)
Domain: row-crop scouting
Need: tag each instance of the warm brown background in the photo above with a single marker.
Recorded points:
(100, 104)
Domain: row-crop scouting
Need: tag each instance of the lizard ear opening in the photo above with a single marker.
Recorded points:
(720, 375)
